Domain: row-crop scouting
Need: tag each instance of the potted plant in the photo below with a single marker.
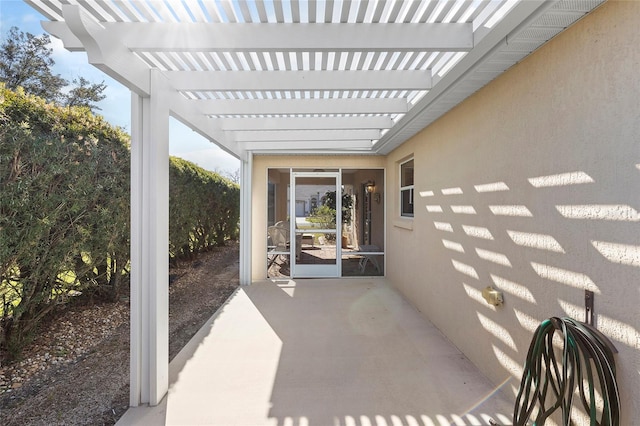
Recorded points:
(347, 203)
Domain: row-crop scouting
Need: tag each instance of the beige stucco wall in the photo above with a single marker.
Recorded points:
(261, 164)
(572, 109)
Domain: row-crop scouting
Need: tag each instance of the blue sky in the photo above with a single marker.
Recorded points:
(116, 108)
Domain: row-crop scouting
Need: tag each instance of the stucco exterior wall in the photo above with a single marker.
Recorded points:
(261, 164)
(532, 185)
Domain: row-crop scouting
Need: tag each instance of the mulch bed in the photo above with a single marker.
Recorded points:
(76, 372)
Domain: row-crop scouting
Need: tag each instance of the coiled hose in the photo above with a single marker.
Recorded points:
(584, 352)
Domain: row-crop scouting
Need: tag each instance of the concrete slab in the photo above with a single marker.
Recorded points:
(323, 352)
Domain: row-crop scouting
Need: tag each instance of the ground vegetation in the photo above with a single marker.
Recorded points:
(64, 213)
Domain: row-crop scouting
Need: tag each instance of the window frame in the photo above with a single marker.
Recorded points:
(403, 189)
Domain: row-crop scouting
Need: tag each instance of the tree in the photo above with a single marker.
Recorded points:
(85, 94)
(25, 61)
(347, 201)
(232, 176)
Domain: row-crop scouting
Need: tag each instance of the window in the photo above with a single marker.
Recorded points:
(271, 203)
(406, 188)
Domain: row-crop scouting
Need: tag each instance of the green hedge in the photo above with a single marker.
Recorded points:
(204, 209)
(64, 216)
(64, 211)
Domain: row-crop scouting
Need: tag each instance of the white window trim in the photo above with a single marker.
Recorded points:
(404, 188)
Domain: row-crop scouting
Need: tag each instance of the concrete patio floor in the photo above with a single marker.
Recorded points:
(318, 353)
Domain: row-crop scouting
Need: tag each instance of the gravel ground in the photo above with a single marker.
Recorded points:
(76, 372)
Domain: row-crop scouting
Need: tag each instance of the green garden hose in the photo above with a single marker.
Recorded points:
(585, 351)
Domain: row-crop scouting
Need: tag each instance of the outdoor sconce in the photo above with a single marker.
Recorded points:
(370, 186)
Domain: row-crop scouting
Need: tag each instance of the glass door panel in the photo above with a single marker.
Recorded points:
(316, 211)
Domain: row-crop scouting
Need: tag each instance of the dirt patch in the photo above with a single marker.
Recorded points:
(77, 371)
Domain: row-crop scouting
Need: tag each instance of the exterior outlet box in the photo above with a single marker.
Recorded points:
(492, 296)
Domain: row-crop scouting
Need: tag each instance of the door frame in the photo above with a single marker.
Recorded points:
(319, 270)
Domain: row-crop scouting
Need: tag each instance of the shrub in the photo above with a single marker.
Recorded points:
(64, 213)
(204, 209)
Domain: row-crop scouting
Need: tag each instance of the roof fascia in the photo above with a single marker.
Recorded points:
(521, 15)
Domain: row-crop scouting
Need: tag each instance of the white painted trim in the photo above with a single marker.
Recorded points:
(293, 136)
(157, 185)
(246, 173)
(274, 37)
(305, 123)
(135, 277)
(385, 216)
(149, 363)
(299, 80)
(363, 146)
(303, 106)
(104, 51)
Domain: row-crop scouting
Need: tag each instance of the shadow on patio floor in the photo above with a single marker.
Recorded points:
(324, 352)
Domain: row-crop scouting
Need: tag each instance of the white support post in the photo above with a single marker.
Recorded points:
(149, 364)
(246, 165)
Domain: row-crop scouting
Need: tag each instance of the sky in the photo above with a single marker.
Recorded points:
(116, 107)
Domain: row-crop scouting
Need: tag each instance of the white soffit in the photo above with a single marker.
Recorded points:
(334, 76)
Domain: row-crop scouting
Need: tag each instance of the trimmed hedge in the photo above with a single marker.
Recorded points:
(204, 212)
(64, 211)
(64, 216)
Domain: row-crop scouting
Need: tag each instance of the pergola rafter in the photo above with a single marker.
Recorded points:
(409, 61)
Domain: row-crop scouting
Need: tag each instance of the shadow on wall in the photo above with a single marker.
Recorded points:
(543, 255)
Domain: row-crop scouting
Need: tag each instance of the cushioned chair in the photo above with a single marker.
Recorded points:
(279, 234)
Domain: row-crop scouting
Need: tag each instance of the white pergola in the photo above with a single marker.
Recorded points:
(281, 77)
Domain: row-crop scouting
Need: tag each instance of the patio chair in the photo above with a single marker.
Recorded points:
(369, 257)
(280, 241)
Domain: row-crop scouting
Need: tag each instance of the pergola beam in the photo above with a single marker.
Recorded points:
(104, 51)
(305, 123)
(286, 136)
(261, 81)
(319, 146)
(303, 106)
(272, 37)
(189, 113)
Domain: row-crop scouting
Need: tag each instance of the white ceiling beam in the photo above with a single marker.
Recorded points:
(60, 30)
(237, 37)
(319, 146)
(305, 123)
(303, 135)
(298, 80)
(104, 51)
(188, 113)
(303, 106)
